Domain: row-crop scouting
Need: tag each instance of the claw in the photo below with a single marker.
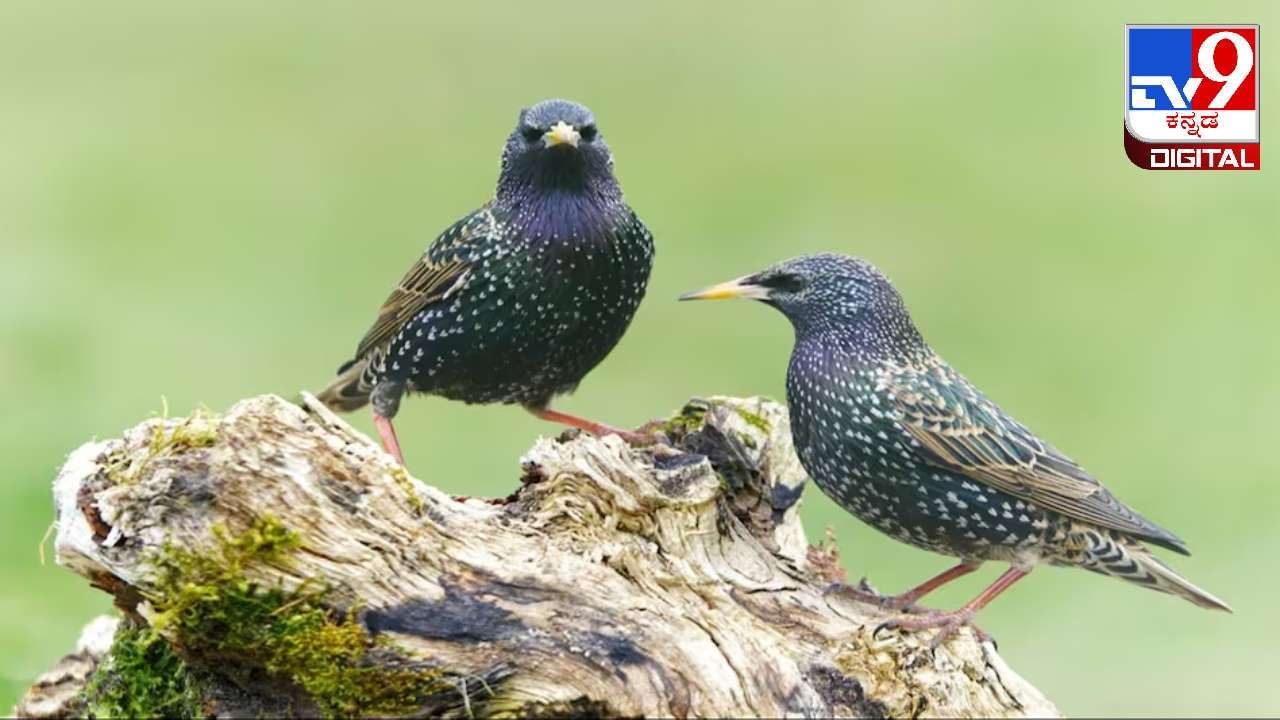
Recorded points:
(946, 623)
(886, 625)
(640, 438)
(983, 636)
(862, 593)
(944, 633)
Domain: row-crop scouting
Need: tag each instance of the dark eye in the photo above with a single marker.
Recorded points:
(531, 133)
(786, 282)
(588, 132)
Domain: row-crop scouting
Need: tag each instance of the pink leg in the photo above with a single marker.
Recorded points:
(912, 596)
(388, 434)
(595, 428)
(949, 622)
(907, 600)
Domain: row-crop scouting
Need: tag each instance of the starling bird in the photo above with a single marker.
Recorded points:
(519, 300)
(894, 435)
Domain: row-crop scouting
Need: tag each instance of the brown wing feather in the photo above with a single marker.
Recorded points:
(426, 282)
(960, 429)
(432, 278)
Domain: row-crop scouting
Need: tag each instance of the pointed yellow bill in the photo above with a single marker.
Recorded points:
(560, 134)
(728, 290)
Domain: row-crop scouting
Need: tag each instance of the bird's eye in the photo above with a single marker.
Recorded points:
(785, 282)
(531, 133)
(588, 132)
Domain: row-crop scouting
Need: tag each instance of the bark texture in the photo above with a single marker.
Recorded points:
(291, 567)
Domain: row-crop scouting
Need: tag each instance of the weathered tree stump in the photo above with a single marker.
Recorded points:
(275, 561)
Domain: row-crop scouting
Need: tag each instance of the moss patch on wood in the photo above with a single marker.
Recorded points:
(401, 478)
(141, 676)
(755, 420)
(213, 613)
(690, 419)
(198, 430)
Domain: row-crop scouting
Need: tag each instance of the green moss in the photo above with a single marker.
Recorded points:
(141, 676)
(210, 609)
(753, 419)
(401, 476)
(200, 429)
(326, 658)
(690, 419)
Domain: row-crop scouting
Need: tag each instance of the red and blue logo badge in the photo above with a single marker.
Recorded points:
(1191, 97)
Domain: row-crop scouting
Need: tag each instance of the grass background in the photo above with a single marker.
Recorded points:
(209, 203)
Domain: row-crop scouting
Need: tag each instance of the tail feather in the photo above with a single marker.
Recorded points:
(1158, 576)
(1125, 558)
(349, 391)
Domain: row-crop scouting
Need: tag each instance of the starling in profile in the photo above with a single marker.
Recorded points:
(519, 300)
(894, 435)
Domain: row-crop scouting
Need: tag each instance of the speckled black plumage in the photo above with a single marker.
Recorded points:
(894, 435)
(520, 299)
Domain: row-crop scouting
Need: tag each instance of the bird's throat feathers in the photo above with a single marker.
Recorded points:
(566, 213)
(560, 192)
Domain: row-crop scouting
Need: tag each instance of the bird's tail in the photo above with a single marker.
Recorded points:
(1159, 576)
(349, 391)
(1128, 559)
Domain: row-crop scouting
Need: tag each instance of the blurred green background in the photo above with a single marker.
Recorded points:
(210, 203)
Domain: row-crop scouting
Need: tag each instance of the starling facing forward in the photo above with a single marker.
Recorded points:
(519, 300)
(895, 436)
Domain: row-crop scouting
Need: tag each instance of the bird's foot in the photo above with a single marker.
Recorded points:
(645, 435)
(859, 593)
(650, 433)
(653, 428)
(863, 592)
(946, 623)
(641, 436)
(635, 438)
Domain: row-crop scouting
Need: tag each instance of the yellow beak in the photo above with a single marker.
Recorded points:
(559, 134)
(728, 290)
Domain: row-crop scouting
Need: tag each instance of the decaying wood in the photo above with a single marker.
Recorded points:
(57, 693)
(663, 581)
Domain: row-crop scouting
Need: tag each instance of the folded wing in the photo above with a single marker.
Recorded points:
(958, 428)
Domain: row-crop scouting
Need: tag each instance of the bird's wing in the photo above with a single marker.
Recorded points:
(442, 269)
(960, 429)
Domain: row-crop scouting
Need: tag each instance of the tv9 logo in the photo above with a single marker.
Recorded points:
(1191, 97)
